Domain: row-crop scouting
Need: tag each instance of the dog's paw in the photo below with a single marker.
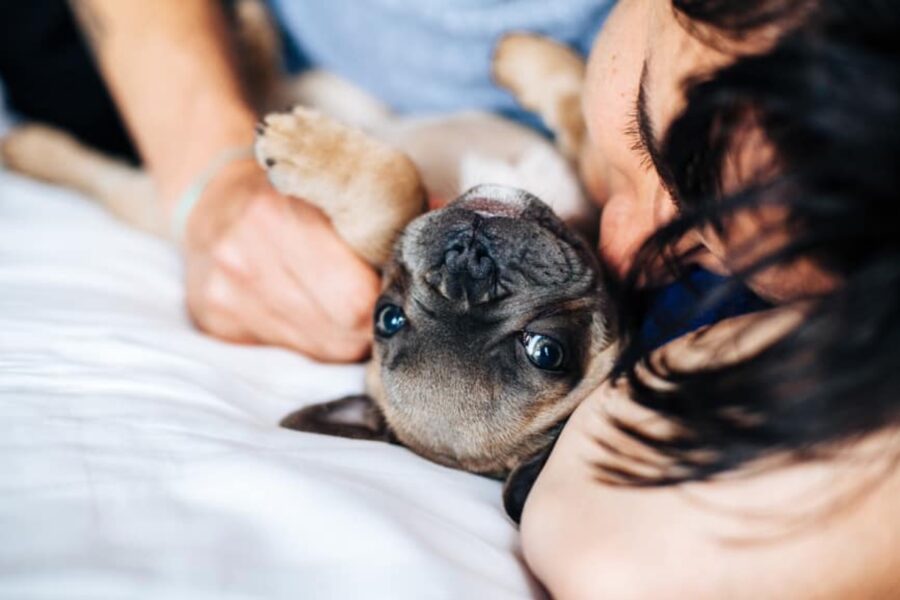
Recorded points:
(303, 150)
(545, 77)
(531, 66)
(369, 190)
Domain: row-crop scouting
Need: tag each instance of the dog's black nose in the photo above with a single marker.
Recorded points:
(469, 272)
(470, 259)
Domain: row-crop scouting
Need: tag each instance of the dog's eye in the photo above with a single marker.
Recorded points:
(544, 352)
(389, 320)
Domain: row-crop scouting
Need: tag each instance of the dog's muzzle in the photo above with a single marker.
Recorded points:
(469, 272)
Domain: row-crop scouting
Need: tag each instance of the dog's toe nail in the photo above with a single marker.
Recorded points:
(260, 128)
(270, 162)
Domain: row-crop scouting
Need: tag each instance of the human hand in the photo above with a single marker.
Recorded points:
(269, 269)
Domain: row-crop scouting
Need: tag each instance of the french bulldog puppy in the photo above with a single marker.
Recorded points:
(493, 324)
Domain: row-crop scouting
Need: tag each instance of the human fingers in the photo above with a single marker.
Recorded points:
(336, 278)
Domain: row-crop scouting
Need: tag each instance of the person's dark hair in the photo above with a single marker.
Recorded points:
(826, 97)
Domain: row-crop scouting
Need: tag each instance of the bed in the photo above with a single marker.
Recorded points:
(141, 459)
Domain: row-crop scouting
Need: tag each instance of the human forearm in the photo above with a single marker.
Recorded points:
(260, 267)
(171, 69)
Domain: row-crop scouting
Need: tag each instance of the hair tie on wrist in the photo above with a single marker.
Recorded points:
(188, 200)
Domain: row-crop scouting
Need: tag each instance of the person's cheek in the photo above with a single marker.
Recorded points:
(594, 174)
(623, 228)
(631, 216)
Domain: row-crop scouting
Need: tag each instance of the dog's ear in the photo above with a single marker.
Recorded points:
(519, 483)
(521, 479)
(354, 417)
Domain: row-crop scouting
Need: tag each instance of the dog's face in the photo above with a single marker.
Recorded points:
(491, 315)
(493, 324)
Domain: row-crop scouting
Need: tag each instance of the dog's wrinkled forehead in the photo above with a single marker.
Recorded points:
(489, 244)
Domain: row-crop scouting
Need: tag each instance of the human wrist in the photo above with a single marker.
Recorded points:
(187, 201)
(215, 131)
(222, 201)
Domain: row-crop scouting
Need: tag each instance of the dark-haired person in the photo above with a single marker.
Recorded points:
(756, 459)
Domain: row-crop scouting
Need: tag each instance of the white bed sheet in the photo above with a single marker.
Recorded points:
(141, 459)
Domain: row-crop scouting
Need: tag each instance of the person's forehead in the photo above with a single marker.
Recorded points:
(674, 54)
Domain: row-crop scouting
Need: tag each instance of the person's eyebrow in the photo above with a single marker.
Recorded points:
(642, 132)
(647, 143)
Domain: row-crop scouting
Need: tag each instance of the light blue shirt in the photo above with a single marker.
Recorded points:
(426, 56)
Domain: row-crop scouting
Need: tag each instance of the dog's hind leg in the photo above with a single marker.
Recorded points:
(53, 156)
(546, 78)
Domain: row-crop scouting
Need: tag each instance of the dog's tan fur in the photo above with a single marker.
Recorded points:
(51, 155)
(547, 78)
(518, 440)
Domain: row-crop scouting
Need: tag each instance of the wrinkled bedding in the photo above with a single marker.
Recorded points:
(141, 459)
